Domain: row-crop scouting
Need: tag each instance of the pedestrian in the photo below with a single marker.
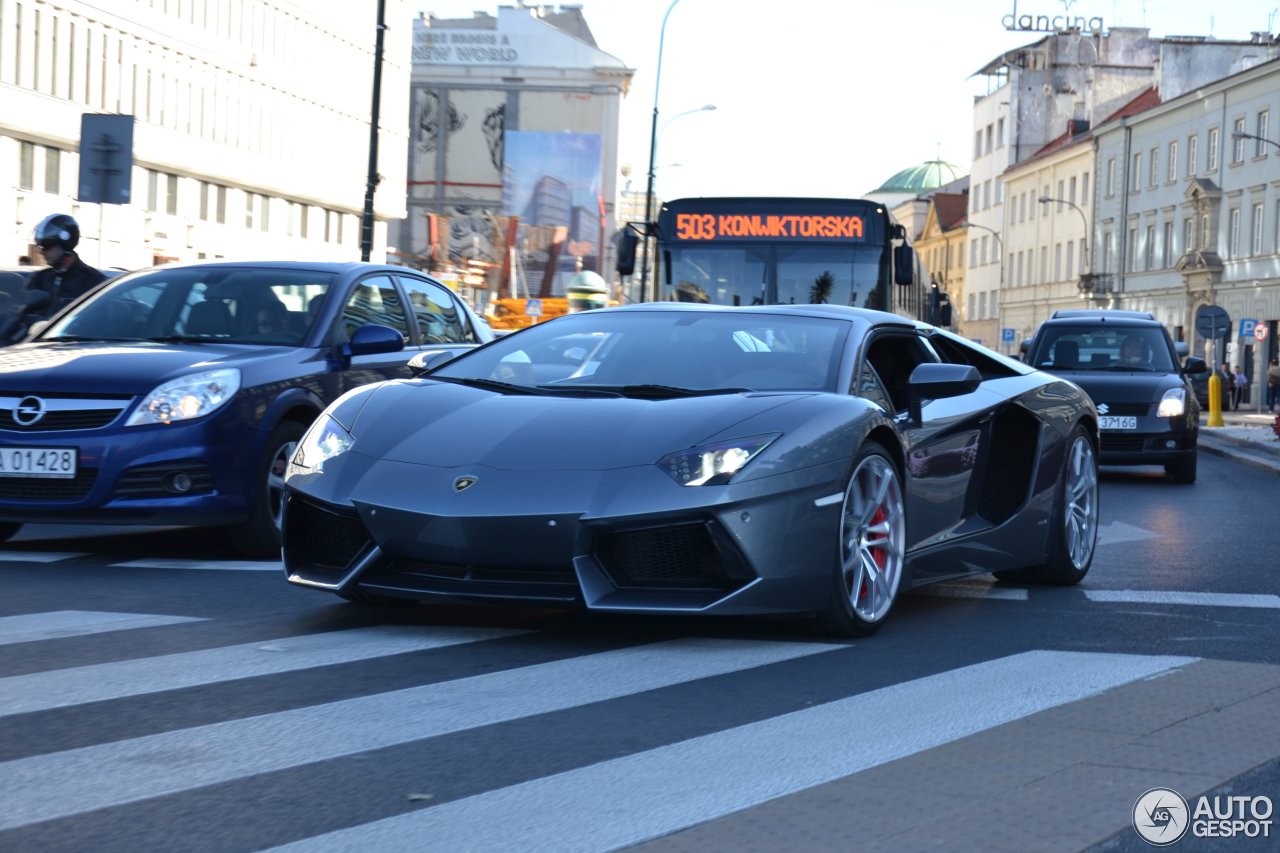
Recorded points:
(1242, 385)
(1228, 380)
(67, 277)
(1273, 384)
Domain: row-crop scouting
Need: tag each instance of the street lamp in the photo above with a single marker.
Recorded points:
(1084, 220)
(1239, 134)
(653, 146)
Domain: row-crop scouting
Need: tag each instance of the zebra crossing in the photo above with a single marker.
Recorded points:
(576, 748)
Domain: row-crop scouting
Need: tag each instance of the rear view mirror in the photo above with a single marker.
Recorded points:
(904, 264)
(628, 240)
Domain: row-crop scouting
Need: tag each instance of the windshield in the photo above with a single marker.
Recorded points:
(626, 350)
(1116, 348)
(788, 274)
(227, 305)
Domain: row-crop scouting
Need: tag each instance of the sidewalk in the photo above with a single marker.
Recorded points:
(1245, 436)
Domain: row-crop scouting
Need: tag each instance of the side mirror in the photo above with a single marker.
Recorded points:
(932, 381)
(904, 264)
(373, 338)
(1195, 364)
(425, 362)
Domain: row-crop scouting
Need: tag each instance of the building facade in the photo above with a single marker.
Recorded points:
(941, 248)
(250, 125)
(1188, 213)
(514, 123)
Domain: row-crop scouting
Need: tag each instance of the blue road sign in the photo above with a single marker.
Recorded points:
(1006, 335)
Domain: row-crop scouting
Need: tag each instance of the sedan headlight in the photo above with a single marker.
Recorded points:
(187, 397)
(713, 464)
(1173, 404)
(324, 440)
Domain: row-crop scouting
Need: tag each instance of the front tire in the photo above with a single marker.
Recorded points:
(871, 548)
(258, 537)
(1184, 470)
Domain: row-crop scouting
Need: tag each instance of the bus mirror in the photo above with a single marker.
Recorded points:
(666, 267)
(899, 231)
(944, 314)
(904, 264)
(628, 239)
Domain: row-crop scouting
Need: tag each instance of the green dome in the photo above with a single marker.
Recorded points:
(927, 176)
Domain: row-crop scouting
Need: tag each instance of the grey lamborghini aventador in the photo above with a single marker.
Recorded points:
(677, 458)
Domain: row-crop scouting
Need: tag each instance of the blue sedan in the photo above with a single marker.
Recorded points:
(176, 395)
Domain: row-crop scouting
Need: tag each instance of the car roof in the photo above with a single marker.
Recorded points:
(1104, 315)
(840, 312)
(336, 267)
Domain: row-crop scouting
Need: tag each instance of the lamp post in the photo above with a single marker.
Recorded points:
(653, 146)
(1242, 135)
(1087, 276)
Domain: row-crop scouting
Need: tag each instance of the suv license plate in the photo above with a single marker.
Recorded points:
(1117, 422)
(55, 462)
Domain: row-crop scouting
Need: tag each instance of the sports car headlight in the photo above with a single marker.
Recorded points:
(1173, 404)
(713, 464)
(324, 440)
(187, 397)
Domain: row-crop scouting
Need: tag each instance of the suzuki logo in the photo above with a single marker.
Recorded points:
(463, 483)
(1102, 408)
(29, 411)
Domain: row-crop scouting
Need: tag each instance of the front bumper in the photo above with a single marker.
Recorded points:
(1155, 442)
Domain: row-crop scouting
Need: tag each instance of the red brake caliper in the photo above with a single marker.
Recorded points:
(878, 554)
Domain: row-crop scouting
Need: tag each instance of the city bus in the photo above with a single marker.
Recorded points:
(768, 251)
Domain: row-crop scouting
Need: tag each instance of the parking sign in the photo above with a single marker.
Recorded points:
(1246, 328)
(1006, 335)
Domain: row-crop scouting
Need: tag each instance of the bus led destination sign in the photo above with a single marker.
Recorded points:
(718, 226)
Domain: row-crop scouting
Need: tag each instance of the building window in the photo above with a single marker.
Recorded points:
(1044, 263)
(1204, 232)
(204, 200)
(1255, 245)
(1237, 141)
(1188, 234)
(1131, 260)
(264, 212)
(982, 305)
(1136, 183)
(1260, 145)
(1111, 176)
(171, 195)
(1150, 254)
(982, 251)
(1084, 188)
(1154, 177)
(1061, 195)
(973, 300)
(1071, 190)
(1082, 256)
(1057, 262)
(1071, 258)
(1106, 254)
(988, 147)
(977, 144)
(1191, 154)
(26, 166)
(973, 251)
(153, 190)
(1233, 233)
(52, 170)
(248, 209)
(1000, 133)
(222, 205)
(1173, 161)
(1212, 165)
(1166, 250)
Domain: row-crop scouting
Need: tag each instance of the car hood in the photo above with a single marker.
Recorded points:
(116, 368)
(446, 425)
(1122, 387)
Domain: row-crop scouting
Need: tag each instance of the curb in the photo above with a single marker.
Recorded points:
(1258, 456)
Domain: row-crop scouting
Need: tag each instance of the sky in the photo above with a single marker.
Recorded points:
(827, 97)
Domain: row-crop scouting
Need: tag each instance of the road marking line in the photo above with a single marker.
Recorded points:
(59, 624)
(39, 556)
(687, 783)
(1117, 532)
(55, 785)
(21, 694)
(1198, 599)
(964, 590)
(206, 565)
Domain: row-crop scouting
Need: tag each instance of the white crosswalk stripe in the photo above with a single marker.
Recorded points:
(31, 627)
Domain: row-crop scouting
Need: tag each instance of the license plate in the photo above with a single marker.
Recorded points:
(57, 462)
(1117, 422)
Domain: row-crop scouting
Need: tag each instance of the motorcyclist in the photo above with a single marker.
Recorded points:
(67, 277)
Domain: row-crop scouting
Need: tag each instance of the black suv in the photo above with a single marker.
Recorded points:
(1147, 410)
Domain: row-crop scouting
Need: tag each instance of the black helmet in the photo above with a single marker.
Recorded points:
(58, 229)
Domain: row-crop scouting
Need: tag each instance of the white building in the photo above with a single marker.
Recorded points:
(251, 133)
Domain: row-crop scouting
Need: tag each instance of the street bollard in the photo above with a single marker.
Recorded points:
(1215, 400)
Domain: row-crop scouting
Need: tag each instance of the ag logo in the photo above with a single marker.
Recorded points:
(463, 483)
(1160, 816)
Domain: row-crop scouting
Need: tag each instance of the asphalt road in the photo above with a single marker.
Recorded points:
(156, 693)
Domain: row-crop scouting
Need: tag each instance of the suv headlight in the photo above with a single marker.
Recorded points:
(324, 440)
(187, 397)
(1173, 404)
(713, 464)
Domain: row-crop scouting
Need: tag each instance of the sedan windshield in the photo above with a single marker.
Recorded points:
(228, 305)
(1113, 348)
(662, 353)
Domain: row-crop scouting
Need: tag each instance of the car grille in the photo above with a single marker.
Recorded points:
(492, 574)
(1122, 443)
(323, 537)
(1128, 409)
(157, 481)
(29, 489)
(60, 412)
(684, 556)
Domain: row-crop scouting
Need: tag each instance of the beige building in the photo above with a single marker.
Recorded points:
(250, 125)
(941, 249)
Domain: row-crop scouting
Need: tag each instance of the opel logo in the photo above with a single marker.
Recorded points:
(1103, 408)
(29, 411)
(463, 483)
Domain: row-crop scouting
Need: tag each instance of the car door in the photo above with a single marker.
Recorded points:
(442, 321)
(941, 451)
(374, 299)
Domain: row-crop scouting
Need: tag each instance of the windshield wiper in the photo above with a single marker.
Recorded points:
(664, 391)
(1130, 367)
(487, 384)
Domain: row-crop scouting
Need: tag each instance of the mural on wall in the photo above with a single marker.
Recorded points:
(473, 155)
(494, 126)
(551, 181)
(474, 235)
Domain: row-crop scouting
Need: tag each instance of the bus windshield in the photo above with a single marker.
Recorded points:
(729, 274)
